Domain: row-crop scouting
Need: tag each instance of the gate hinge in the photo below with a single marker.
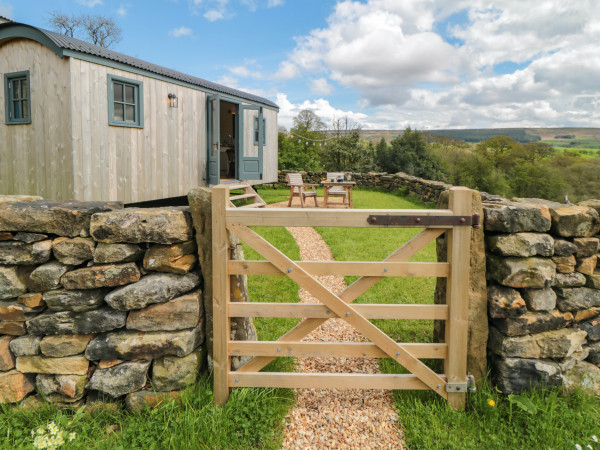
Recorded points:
(424, 221)
(467, 386)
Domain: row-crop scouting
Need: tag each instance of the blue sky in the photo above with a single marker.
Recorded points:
(385, 64)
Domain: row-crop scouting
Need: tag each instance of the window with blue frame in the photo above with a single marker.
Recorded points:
(256, 131)
(125, 102)
(18, 98)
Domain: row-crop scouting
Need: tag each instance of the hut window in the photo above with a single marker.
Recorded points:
(125, 106)
(18, 97)
(264, 129)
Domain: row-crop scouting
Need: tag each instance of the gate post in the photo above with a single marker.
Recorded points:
(457, 295)
(221, 325)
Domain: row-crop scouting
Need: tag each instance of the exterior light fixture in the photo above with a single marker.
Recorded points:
(173, 101)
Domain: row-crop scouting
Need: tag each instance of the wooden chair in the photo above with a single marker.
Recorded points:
(337, 191)
(298, 188)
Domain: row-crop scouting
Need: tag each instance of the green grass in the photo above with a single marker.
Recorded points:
(252, 418)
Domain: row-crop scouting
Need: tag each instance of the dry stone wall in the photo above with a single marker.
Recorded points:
(97, 302)
(543, 294)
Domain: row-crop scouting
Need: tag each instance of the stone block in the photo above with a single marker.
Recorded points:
(585, 314)
(511, 217)
(70, 365)
(574, 221)
(505, 302)
(117, 253)
(14, 311)
(573, 299)
(155, 288)
(592, 328)
(540, 299)
(109, 275)
(521, 272)
(137, 401)
(171, 373)
(64, 344)
(533, 322)
(564, 248)
(47, 276)
(106, 363)
(136, 225)
(568, 280)
(5, 199)
(28, 345)
(551, 344)
(565, 264)
(70, 322)
(74, 251)
(14, 386)
(13, 281)
(521, 244)
(21, 254)
(177, 314)
(593, 280)
(7, 359)
(57, 387)
(120, 380)
(78, 300)
(175, 258)
(594, 355)
(12, 328)
(6, 236)
(30, 237)
(517, 375)
(584, 376)
(586, 246)
(132, 345)
(587, 265)
(71, 218)
(31, 299)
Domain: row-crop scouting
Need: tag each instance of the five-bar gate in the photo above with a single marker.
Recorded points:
(455, 221)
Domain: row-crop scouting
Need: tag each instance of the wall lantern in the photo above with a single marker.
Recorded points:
(173, 101)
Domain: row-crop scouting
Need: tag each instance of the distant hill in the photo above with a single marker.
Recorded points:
(523, 135)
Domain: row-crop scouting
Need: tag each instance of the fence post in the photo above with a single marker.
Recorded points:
(457, 295)
(221, 325)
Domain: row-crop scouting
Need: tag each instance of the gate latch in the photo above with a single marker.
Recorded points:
(467, 386)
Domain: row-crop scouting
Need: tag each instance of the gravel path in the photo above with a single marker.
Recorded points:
(337, 418)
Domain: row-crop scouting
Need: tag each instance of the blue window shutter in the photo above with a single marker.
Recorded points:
(251, 167)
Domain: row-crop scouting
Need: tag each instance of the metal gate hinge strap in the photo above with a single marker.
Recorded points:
(456, 387)
(424, 221)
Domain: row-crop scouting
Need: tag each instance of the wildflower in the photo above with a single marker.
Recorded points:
(491, 402)
(590, 447)
(595, 438)
(578, 447)
(41, 431)
(71, 436)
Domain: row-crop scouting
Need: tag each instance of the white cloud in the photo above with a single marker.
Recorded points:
(89, 3)
(122, 11)
(320, 86)
(320, 107)
(273, 3)
(213, 15)
(6, 10)
(181, 31)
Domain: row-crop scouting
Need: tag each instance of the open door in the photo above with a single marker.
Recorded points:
(214, 139)
(251, 142)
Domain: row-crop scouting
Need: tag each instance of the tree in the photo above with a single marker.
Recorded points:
(98, 29)
(410, 153)
(382, 153)
(344, 151)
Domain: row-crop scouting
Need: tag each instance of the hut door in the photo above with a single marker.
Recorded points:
(252, 139)
(214, 138)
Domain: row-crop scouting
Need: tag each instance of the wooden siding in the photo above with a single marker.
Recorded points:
(166, 158)
(35, 159)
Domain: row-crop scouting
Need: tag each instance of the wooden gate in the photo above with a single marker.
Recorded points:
(455, 221)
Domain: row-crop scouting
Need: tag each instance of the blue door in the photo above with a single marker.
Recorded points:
(250, 143)
(213, 134)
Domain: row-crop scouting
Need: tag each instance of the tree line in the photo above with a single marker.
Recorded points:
(498, 165)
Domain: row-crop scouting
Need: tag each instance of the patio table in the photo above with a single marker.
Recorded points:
(347, 185)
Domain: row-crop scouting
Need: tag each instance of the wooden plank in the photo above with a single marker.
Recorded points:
(381, 269)
(285, 217)
(349, 294)
(330, 349)
(457, 295)
(320, 311)
(341, 308)
(327, 380)
(221, 325)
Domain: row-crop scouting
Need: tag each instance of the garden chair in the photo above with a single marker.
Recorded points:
(298, 188)
(337, 191)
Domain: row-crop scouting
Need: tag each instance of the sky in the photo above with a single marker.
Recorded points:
(384, 64)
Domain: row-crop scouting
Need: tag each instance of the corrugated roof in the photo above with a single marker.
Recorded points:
(69, 43)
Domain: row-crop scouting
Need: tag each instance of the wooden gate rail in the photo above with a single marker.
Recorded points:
(453, 220)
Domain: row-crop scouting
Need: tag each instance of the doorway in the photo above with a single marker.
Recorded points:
(228, 147)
